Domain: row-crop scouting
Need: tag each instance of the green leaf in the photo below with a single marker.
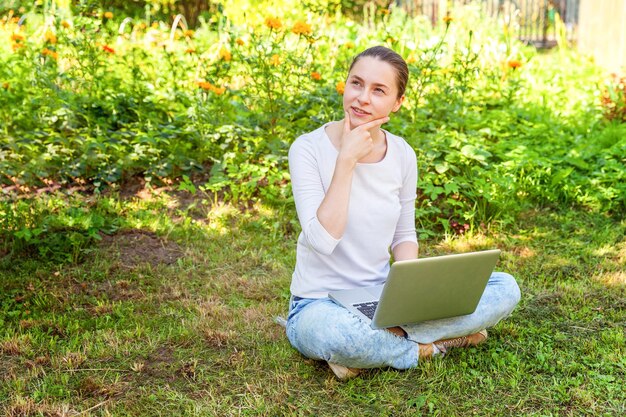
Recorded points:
(472, 152)
(441, 167)
(561, 175)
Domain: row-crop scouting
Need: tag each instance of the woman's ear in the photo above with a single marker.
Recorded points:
(398, 104)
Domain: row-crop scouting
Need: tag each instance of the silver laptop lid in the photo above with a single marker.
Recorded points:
(434, 288)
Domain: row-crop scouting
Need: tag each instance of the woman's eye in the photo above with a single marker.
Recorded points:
(380, 90)
(355, 82)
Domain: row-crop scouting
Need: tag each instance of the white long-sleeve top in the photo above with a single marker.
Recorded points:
(381, 214)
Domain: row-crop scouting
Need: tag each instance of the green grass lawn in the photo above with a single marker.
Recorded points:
(173, 315)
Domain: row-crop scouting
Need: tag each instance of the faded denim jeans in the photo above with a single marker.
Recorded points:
(323, 330)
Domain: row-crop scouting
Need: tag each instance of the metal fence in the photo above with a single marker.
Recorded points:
(534, 21)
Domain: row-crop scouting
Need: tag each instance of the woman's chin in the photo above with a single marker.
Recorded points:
(358, 120)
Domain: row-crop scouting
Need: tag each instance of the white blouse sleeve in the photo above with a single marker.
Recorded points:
(405, 230)
(308, 193)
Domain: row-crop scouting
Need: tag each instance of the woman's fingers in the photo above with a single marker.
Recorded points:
(358, 142)
(346, 123)
(373, 123)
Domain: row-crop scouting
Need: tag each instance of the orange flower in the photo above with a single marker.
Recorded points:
(225, 54)
(340, 87)
(155, 25)
(5, 86)
(239, 41)
(514, 64)
(142, 25)
(108, 49)
(50, 37)
(189, 33)
(17, 46)
(447, 19)
(316, 76)
(302, 28)
(108, 15)
(275, 60)
(190, 51)
(205, 85)
(384, 11)
(48, 52)
(16, 37)
(349, 45)
(273, 23)
(65, 24)
(411, 58)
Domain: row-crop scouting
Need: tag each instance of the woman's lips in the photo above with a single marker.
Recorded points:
(359, 112)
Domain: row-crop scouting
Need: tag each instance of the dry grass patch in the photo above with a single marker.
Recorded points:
(91, 387)
(174, 291)
(212, 323)
(69, 361)
(523, 252)
(27, 407)
(261, 318)
(216, 338)
(466, 243)
(613, 272)
(613, 279)
(10, 347)
(15, 345)
(121, 290)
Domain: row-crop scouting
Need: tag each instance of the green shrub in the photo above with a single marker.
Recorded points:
(496, 125)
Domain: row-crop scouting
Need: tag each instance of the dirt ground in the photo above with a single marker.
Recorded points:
(136, 247)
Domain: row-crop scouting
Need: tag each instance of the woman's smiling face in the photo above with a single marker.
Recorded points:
(371, 91)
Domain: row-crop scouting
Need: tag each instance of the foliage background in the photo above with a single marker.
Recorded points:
(90, 97)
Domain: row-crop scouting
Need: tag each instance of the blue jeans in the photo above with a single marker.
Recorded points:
(323, 330)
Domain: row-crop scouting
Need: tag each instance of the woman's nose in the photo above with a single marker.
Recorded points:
(364, 96)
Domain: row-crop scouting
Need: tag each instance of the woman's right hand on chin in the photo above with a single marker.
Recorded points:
(357, 143)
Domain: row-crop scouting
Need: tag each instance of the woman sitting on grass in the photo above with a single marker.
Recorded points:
(354, 186)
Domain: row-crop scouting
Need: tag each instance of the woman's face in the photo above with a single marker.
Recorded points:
(371, 91)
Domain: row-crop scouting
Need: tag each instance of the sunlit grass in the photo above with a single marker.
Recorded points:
(197, 336)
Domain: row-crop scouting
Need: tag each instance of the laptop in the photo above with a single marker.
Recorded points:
(422, 289)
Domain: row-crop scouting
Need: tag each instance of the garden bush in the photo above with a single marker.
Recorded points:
(96, 97)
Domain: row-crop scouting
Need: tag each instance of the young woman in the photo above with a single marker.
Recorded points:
(354, 186)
